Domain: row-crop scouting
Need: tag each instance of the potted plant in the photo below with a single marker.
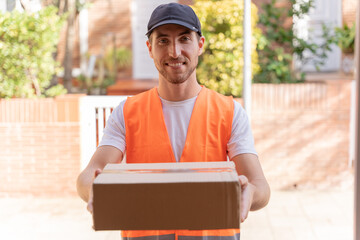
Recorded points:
(345, 39)
(105, 70)
(110, 64)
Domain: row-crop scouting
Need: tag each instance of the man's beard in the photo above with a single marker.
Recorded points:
(178, 79)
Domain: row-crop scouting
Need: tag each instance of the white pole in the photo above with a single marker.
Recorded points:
(352, 124)
(357, 146)
(84, 36)
(247, 58)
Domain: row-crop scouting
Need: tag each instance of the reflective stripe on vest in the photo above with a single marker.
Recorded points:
(147, 141)
(152, 237)
(234, 237)
(223, 234)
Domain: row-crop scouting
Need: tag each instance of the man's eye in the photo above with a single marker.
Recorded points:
(163, 41)
(185, 38)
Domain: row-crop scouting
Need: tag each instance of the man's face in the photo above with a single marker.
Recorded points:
(175, 51)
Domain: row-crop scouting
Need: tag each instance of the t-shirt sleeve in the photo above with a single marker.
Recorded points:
(114, 131)
(241, 140)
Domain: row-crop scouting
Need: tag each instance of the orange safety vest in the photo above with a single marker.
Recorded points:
(147, 141)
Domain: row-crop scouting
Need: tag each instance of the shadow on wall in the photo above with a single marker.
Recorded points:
(302, 134)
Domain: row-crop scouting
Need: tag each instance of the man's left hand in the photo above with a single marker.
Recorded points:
(247, 193)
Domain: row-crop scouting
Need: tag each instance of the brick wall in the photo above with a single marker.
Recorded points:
(106, 18)
(302, 133)
(61, 46)
(40, 146)
(349, 11)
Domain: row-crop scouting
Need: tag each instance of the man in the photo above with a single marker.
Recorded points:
(179, 120)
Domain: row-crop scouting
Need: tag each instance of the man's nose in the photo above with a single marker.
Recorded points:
(175, 50)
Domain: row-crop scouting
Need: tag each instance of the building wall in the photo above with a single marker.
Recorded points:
(302, 133)
(109, 21)
(349, 11)
(61, 46)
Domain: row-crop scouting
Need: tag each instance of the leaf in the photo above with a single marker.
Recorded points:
(27, 42)
(221, 66)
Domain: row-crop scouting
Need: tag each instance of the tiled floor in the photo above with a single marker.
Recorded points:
(303, 215)
(290, 215)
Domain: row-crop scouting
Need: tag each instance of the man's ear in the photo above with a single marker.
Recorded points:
(148, 44)
(201, 45)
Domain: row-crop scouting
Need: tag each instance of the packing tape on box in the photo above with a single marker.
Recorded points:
(134, 171)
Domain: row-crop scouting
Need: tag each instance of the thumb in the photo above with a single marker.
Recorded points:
(90, 206)
(243, 181)
(90, 202)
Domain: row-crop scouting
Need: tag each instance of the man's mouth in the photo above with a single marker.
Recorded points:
(175, 63)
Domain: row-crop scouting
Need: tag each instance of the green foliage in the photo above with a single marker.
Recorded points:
(55, 91)
(279, 44)
(107, 67)
(116, 60)
(345, 38)
(221, 65)
(27, 42)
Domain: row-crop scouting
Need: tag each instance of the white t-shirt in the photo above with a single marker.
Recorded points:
(177, 117)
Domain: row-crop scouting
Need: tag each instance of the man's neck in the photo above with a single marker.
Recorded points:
(178, 92)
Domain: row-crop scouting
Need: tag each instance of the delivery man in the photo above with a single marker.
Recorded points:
(179, 121)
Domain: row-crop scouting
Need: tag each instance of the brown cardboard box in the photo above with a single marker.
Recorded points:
(157, 196)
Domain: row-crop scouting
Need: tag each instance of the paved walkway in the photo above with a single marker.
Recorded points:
(290, 215)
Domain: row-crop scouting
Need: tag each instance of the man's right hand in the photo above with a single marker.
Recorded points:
(90, 202)
(102, 156)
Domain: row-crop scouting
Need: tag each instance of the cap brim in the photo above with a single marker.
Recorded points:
(172, 21)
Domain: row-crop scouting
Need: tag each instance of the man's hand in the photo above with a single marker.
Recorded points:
(247, 193)
(90, 202)
(255, 189)
(102, 156)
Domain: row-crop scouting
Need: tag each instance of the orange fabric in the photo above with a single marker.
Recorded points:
(217, 232)
(209, 129)
(142, 233)
(147, 140)
(145, 128)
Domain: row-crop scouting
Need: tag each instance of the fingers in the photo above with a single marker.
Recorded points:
(89, 206)
(243, 181)
(246, 197)
(244, 205)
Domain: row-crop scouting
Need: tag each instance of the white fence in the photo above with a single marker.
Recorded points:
(94, 112)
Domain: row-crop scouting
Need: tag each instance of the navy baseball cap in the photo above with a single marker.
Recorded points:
(174, 13)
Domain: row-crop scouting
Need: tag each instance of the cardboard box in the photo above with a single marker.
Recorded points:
(159, 196)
